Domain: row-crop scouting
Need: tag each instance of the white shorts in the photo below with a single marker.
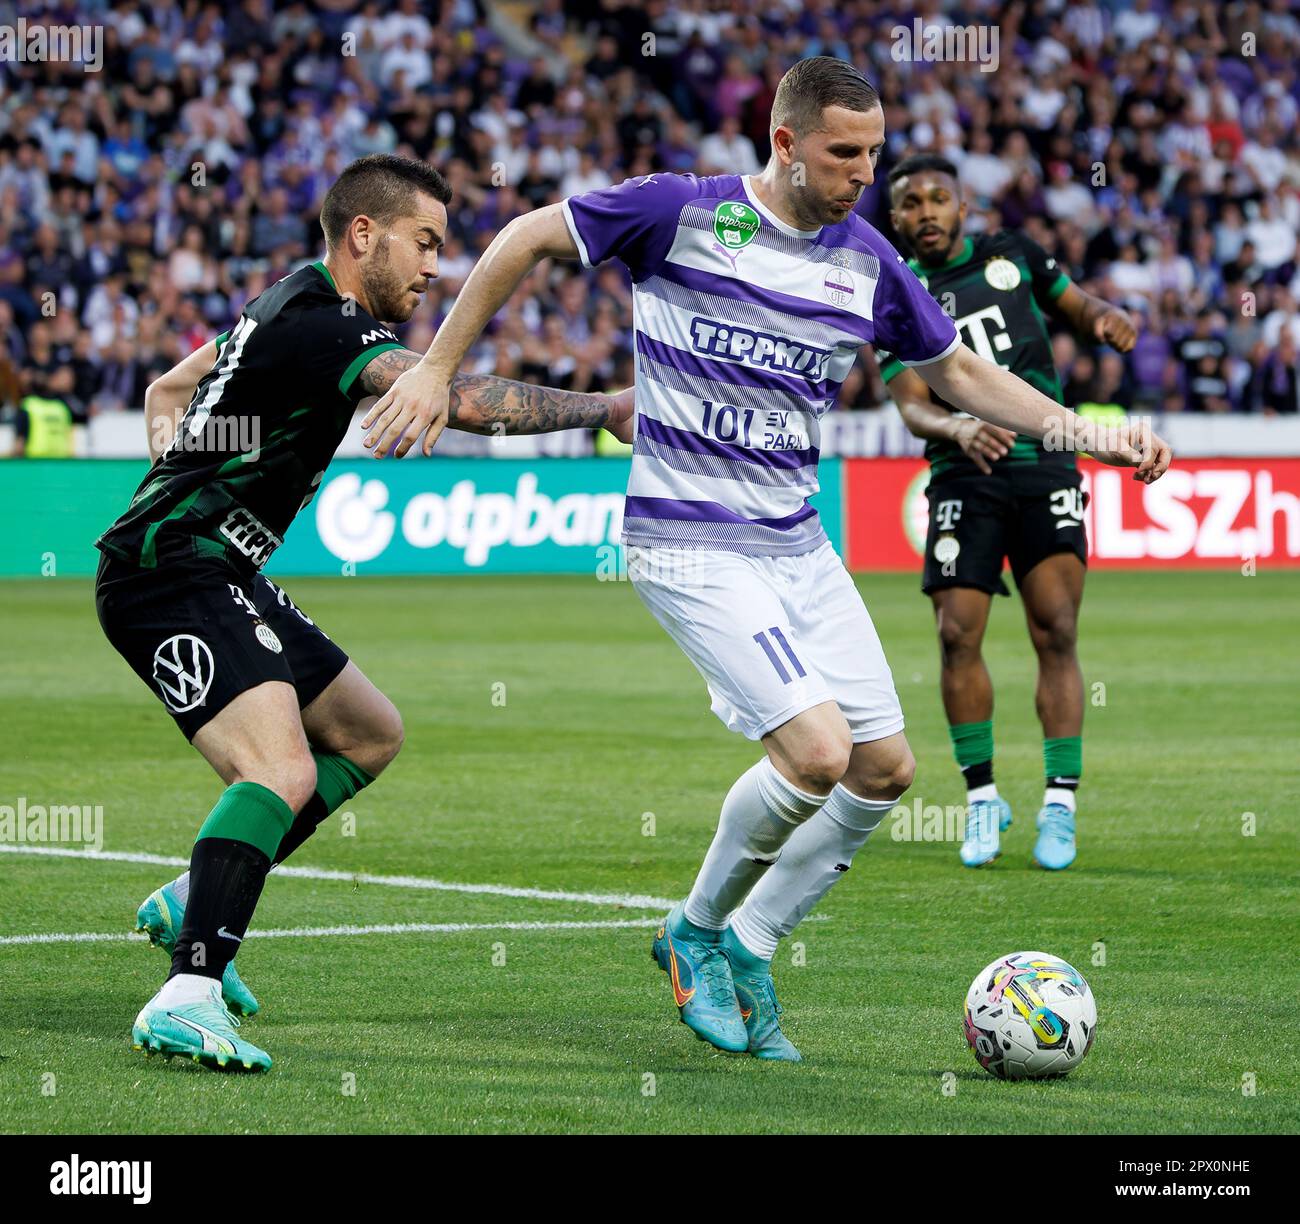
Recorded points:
(772, 636)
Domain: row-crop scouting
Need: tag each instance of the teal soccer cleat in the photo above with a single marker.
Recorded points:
(160, 918)
(701, 978)
(985, 819)
(756, 995)
(1055, 848)
(202, 1031)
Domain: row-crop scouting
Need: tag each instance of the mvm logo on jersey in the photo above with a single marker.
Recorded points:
(378, 333)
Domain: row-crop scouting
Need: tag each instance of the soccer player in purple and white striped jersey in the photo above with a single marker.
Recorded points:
(753, 295)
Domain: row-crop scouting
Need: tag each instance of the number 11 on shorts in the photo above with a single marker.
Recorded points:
(775, 634)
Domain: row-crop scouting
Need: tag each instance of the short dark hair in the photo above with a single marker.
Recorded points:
(812, 85)
(382, 186)
(920, 162)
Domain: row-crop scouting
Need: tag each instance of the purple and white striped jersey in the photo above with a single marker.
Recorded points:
(745, 329)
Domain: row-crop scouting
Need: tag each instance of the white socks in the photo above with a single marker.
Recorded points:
(185, 988)
(1059, 794)
(978, 794)
(181, 887)
(759, 814)
(814, 858)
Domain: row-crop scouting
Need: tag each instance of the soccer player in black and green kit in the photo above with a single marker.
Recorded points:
(289, 723)
(996, 495)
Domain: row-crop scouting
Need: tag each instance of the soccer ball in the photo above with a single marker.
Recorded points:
(1030, 1016)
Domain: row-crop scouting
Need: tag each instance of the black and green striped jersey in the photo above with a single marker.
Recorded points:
(260, 431)
(995, 289)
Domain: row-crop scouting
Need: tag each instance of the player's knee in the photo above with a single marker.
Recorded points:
(824, 761)
(958, 643)
(902, 775)
(292, 775)
(296, 779)
(1055, 634)
(389, 736)
(884, 778)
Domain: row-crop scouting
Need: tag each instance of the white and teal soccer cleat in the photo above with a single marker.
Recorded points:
(701, 980)
(202, 1031)
(985, 820)
(756, 996)
(160, 917)
(1055, 848)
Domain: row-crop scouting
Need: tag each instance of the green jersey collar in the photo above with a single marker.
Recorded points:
(320, 267)
(962, 256)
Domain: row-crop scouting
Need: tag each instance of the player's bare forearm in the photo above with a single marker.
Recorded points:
(486, 404)
(1093, 308)
(514, 253)
(922, 416)
(419, 401)
(1096, 320)
(162, 414)
(993, 394)
(167, 397)
(1081, 310)
(981, 442)
(985, 390)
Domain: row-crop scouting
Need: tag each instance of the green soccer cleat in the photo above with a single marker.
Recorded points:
(756, 995)
(203, 1031)
(702, 988)
(160, 918)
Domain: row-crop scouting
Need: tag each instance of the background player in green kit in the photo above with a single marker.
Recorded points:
(996, 495)
(292, 727)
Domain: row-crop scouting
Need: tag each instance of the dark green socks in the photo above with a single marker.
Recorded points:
(228, 867)
(972, 745)
(1063, 766)
(337, 780)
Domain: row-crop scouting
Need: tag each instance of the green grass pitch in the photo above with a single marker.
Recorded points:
(545, 719)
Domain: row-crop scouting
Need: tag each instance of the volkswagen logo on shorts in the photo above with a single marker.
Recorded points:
(183, 670)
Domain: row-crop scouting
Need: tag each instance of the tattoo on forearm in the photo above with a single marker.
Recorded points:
(484, 403)
(383, 371)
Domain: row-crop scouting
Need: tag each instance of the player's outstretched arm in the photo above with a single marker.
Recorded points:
(980, 442)
(486, 404)
(987, 391)
(1095, 319)
(167, 397)
(418, 402)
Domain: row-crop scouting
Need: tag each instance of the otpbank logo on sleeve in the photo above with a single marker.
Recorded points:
(735, 225)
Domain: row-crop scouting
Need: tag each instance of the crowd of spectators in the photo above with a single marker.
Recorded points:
(1151, 145)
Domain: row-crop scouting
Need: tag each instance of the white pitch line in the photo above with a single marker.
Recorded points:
(627, 901)
(384, 928)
